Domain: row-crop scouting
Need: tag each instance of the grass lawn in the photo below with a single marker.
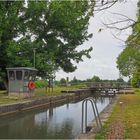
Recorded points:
(4, 99)
(56, 91)
(124, 122)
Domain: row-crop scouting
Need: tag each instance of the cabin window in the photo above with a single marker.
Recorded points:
(19, 75)
(11, 75)
(26, 75)
(31, 75)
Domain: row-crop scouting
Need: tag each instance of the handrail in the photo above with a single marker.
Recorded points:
(95, 112)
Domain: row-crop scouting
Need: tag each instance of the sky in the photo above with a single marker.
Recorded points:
(106, 47)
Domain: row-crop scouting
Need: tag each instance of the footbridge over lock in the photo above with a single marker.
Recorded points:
(105, 89)
(108, 88)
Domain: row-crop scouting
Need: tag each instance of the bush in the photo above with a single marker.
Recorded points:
(2, 86)
(41, 83)
(135, 81)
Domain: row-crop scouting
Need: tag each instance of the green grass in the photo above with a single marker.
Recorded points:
(3, 92)
(5, 99)
(56, 91)
(129, 115)
(40, 92)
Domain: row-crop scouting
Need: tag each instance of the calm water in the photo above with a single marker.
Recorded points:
(63, 122)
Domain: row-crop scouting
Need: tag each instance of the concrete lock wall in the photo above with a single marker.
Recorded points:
(43, 101)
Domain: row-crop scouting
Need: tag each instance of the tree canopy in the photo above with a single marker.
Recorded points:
(128, 61)
(53, 28)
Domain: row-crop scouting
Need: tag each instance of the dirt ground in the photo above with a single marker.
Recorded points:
(116, 130)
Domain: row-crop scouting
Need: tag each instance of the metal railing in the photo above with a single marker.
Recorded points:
(85, 114)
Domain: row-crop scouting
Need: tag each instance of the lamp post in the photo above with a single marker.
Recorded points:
(34, 51)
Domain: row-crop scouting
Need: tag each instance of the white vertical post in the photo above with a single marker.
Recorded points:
(34, 50)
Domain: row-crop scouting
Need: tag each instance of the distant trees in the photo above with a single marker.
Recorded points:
(63, 82)
(120, 80)
(75, 80)
(94, 79)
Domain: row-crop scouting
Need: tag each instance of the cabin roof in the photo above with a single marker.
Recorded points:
(22, 68)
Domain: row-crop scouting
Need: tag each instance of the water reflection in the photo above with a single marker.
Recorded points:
(63, 122)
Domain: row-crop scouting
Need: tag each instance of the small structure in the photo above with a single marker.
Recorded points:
(21, 81)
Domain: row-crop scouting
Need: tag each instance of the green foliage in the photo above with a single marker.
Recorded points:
(63, 82)
(74, 80)
(10, 27)
(95, 79)
(41, 83)
(120, 80)
(134, 38)
(135, 81)
(128, 61)
(54, 28)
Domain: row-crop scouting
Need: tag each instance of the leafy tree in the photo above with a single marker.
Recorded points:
(63, 81)
(135, 80)
(88, 80)
(134, 38)
(120, 80)
(74, 80)
(54, 28)
(10, 27)
(128, 61)
(95, 79)
(60, 27)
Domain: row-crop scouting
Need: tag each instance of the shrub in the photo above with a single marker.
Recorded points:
(41, 83)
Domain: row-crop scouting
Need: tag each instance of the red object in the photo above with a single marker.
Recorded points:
(31, 85)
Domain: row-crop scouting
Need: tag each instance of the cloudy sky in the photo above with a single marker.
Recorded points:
(106, 47)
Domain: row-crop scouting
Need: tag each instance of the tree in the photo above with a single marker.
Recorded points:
(63, 81)
(134, 38)
(135, 80)
(128, 61)
(10, 27)
(120, 80)
(54, 28)
(62, 28)
(95, 79)
(75, 80)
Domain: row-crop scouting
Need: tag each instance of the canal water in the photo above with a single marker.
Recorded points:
(63, 122)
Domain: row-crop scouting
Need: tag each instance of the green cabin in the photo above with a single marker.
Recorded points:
(18, 79)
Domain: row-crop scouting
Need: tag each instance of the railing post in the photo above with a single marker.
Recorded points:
(98, 114)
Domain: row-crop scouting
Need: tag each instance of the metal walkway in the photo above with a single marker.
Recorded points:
(85, 114)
